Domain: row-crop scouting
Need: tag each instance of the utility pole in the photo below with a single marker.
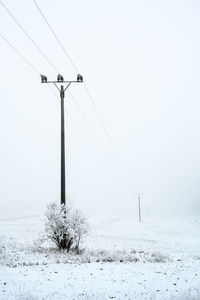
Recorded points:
(62, 89)
(139, 206)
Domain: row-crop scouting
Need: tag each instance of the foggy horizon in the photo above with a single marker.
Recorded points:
(140, 62)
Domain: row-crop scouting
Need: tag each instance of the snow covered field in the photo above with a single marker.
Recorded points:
(123, 259)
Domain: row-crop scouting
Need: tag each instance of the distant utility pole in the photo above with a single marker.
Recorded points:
(62, 89)
(139, 206)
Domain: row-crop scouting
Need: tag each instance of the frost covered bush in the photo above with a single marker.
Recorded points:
(65, 226)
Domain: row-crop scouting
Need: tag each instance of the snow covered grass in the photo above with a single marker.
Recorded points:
(28, 295)
(190, 295)
(24, 295)
(120, 259)
(13, 254)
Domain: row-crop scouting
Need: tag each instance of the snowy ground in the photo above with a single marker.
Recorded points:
(124, 259)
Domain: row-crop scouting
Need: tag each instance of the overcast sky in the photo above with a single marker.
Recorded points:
(141, 63)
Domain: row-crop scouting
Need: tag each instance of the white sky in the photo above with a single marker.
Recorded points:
(141, 63)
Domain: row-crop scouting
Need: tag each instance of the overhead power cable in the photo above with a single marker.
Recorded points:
(84, 117)
(69, 117)
(47, 59)
(97, 112)
(74, 123)
(28, 36)
(37, 71)
(20, 54)
(26, 33)
(87, 121)
(55, 35)
(89, 125)
(86, 88)
(43, 54)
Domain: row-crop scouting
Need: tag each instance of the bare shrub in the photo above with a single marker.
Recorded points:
(65, 226)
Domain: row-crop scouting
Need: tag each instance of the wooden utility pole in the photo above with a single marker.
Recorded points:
(62, 191)
(139, 206)
(62, 90)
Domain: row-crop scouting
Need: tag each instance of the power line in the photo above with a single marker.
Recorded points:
(55, 35)
(89, 126)
(114, 173)
(105, 130)
(47, 59)
(92, 130)
(98, 114)
(26, 33)
(74, 123)
(81, 134)
(87, 121)
(20, 54)
(62, 139)
(28, 36)
(39, 49)
(84, 117)
(36, 70)
(86, 88)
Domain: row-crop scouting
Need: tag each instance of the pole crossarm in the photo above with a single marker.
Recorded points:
(68, 81)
